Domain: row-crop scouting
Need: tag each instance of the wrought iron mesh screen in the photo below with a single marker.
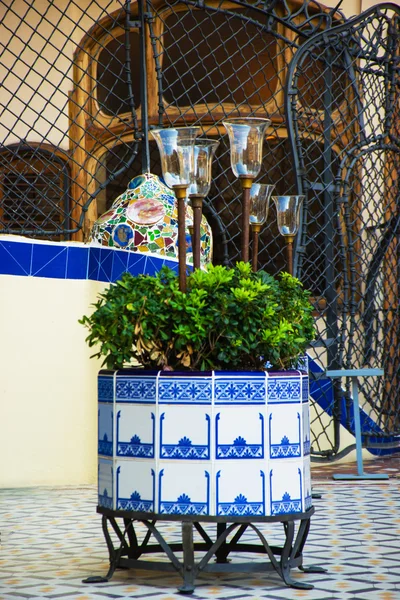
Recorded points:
(84, 83)
(347, 113)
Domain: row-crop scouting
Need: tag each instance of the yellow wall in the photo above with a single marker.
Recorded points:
(43, 90)
(48, 386)
(348, 7)
(48, 391)
(368, 3)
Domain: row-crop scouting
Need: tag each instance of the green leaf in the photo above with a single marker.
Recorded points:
(229, 318)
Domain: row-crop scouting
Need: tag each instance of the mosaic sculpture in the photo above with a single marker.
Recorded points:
(144, 219)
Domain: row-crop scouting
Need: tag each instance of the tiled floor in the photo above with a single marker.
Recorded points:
(390, 465)
(52, 539)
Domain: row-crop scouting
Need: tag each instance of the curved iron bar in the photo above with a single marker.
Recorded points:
(285, 559)
(229, 547)
(136, 134)
(157, 63)
(309, 25)
(203, 533)
(175, 562)
(390, 230)
(320, 40)
(133, 550)
(18, 150)
(267, 548)
(290, 555)
(283, 566)
(302, 184)
(114, 555)
(85, 207)
(322, 19)
(110, 545)
(218, 542)
(301, 538)
(350, 37)
(207, 206)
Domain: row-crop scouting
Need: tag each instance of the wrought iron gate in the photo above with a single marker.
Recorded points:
(343, 126)
(82, 88)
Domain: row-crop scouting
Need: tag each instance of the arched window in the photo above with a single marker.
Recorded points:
(203, 64)
(35, 191)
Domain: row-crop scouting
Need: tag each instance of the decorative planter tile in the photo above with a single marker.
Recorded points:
(135, 430)
(306, 428)
(185, 439)
(284, 388)
(134, 388)
(105, 429)
(184, 390)
(105, 387)
(305, 389)
(106, 483)
(307, 483)
(285, 430)
(184, 489)
(239, 432)
(135, 485)
(206, 444)
(240, 388)
(241, 491)
(286, 487)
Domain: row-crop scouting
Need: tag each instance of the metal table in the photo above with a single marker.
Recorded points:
(280, 558)
(354, 374)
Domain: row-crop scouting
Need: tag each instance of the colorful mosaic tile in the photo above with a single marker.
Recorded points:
(145, 219)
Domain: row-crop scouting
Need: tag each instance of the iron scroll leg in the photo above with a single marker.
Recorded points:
(301, 538)
(188, 571)
(133, 549)
(232, 544)
(114, 555)
(299, 544)
(221, 554)
(288, 552)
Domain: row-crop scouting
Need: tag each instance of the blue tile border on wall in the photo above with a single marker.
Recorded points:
(64, 261)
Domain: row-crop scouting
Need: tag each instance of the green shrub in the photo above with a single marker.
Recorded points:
(228, 319)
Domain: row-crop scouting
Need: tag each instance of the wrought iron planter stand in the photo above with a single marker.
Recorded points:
(223, 448)
(281, 558)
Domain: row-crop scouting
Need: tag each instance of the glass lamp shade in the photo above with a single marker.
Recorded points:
(288, 213)
(176, 152)
(246, 137)
(200, 182)
(260, 194)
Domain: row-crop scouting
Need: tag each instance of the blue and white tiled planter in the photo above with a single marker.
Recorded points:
(216, 444)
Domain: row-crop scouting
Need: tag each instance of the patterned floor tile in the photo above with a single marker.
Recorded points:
(52, 539)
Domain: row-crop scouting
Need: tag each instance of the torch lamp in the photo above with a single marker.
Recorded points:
(246, 137)
(176, 147)
(288, 220)
(200, 183)
(260, 194)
